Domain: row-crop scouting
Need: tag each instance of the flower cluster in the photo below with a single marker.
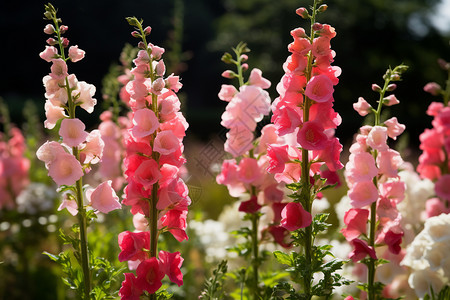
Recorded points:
(13, 167)
(303, 115)
(375, 187)
(435, 143)
(157, 195)
(427, 256)
(69, 161)
(306, 157)
(245, 175)
(113, 135)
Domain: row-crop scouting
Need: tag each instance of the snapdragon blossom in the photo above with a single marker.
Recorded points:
(14, 167)
(244, 175)
(375, 187)
(306, 157)
(155, 191)
(72, 158)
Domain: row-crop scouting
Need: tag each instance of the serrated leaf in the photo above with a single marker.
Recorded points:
(283, 258)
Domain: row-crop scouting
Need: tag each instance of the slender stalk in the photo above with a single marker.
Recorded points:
(255, 252)
(306, 185)
(373, 208)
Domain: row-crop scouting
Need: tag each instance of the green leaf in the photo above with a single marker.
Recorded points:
(53, 257)
(283, 258)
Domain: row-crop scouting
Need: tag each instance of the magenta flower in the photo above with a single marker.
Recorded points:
(149, 275)
(129, 290)
(294, 216)
(311, 136)
(442, 187)
(170, 263)
(132, 245)
(361, 250)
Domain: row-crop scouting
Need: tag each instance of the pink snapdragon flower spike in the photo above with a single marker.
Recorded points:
(153, 167)
(435, 145)
(374, 185)
(14, 166)
(245, 174)
(304, 119)
(68, 162)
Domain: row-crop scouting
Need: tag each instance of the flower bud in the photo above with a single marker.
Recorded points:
(48, 15)
(158, 85)
(227, 58)
(391, 87)
(65, 42)
(376, 88)
(443, 64)
(51, 41)
(141, 45)
(317, 26)
(229, 74)
(160, 68)
(244, 67)
(49, 29)
(433, 88)
(147, 30)
(302, 12)
(395, 77)
(322, 8)
(244, 57)
(63, 29)
(135, 34)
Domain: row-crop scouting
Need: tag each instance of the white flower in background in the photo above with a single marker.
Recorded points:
(35, 198)
(417, 192)
(427, 256)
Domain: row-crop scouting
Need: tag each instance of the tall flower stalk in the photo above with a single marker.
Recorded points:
(375, 188)
(244, 174)
(309, 158)
(69, 161)
(157, 195)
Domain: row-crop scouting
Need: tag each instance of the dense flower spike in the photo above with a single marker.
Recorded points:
(435, 143)
(307, 150)
(68, 162)
(14, 167)
(245, 174)
(154, 188)
(375, 188)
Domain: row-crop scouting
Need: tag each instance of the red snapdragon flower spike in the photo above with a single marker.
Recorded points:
(129, 290)
(132, 245)
(149, 275)
(250, 206)
(294, 216)
(170, 264)
(361, 250)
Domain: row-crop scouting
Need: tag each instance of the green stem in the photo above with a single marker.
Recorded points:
(447, 90)
(255, 251)
(306, 185)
